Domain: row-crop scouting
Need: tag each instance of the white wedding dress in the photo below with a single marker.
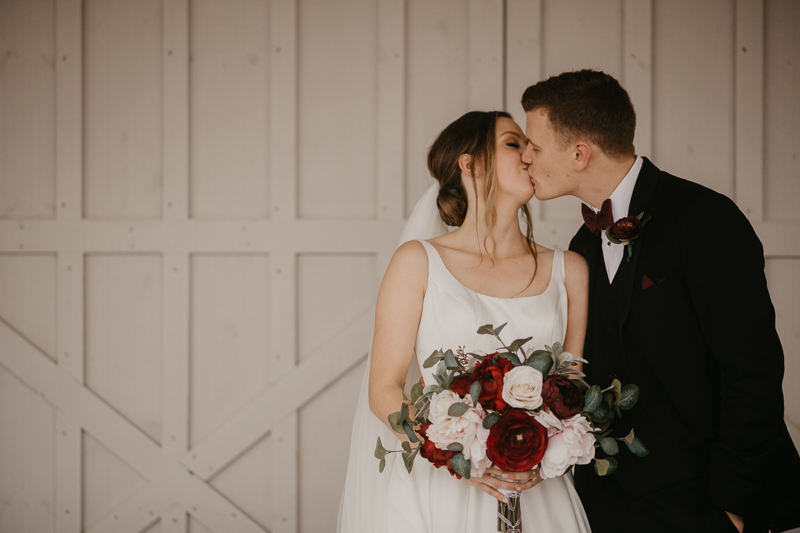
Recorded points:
(430, 500)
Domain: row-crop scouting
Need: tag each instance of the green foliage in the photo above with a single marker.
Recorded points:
(609, 445)
(461, 465)
(636, 445)
(457, 409)
(594, 398)
(475, 392)
(498, 329)
(628, 397)
(491, 419)
(416, 392)
(517, 344)
(380, 453)
(487, 329)
(605, 467)
(450, 360)
(541, 360)
(409, 429)
(433, 358)
(455, 447)
(408, 458)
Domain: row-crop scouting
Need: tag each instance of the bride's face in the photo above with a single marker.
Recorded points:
(512, 171)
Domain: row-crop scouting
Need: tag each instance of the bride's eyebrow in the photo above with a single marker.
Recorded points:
(514, 133)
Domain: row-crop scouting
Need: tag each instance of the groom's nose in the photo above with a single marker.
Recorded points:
(527, 155)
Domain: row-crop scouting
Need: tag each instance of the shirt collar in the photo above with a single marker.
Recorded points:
(621, 197)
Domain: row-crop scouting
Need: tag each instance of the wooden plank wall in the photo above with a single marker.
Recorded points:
(198, 199)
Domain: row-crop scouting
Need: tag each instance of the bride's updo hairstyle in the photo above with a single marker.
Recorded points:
(473, 134)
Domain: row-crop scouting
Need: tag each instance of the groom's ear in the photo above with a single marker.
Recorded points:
(581, 154)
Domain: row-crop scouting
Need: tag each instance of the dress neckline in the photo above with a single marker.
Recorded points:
(455, 279)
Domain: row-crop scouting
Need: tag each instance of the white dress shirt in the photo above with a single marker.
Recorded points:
(620, 203)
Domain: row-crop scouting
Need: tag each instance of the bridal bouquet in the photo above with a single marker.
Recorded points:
(516, 408)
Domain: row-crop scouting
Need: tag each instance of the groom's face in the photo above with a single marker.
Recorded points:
(549, 163)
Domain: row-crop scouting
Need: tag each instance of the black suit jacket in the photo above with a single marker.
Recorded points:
(702, 346)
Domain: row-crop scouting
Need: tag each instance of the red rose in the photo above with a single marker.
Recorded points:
(516, 442)
(561, 396)
(438, 458)
(489, 373)
(625, 229)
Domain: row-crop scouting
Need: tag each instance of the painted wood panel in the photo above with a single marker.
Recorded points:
(27, 453)
(107, 481)
(337, 101)
(122, 117)
(781, 110)
(27, 109)
(229, 336)
(324, 443)
(230, 95)
(437, 82)
(577, 34)
(247, 481)
(28, 297)
(332, 291)
(123, 328)
(782, 275)
(693, 91)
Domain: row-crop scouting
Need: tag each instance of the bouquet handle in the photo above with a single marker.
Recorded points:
(509, 518)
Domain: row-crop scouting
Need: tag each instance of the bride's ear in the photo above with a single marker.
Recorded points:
(465, 164)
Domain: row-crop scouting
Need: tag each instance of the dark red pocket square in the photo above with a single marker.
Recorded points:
(647, 282)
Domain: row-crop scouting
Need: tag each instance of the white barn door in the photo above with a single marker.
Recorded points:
(198, 199)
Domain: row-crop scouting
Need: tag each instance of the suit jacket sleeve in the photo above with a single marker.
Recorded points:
(723, 261)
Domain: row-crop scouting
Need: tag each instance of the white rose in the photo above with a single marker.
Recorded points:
(574, 445)
(466, 429)
(522, 387)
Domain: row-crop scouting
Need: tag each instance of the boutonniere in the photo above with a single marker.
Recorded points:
(624, 230)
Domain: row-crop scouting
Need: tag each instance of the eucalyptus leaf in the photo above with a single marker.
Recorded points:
(457, 409)
(541, 360)
(605, 467)
(416, 392)
(475, 392)
(601, 413)
(408, 460)
(609, 445)
(461, 465)
(380, 451)
(498, 329)
(511, 357)
(517, 344)
(432, 388)
(455, 447)
(410, 432)
(615, 389)
(593, 399)
(433, 358)
(487, 329)
(405, 396)
(628, 396)
(629, 437)
(404, 413)
(382, 465)
(490, 420)
(450, 360)
(637, 447)
(396, 422)
(406, 445)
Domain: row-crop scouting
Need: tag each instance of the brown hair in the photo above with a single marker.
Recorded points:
(588, 104)
(474, 134)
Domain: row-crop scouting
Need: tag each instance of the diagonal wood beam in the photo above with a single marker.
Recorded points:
(33, 368)
(285, 396)
(135, 513)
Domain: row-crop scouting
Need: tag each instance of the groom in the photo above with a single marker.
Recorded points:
(683, 311)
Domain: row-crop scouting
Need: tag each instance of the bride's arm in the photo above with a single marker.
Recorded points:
(397, 315)
(576, 279)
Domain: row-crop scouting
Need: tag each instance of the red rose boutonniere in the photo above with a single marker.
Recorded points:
(624, 230)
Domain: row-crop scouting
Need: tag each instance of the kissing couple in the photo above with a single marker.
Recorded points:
(663, 286)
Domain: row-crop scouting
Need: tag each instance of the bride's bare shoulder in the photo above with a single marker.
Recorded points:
(410, 260)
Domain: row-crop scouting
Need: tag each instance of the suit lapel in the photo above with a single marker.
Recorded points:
(643, 195)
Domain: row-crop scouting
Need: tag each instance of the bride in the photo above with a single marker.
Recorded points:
(436, 293)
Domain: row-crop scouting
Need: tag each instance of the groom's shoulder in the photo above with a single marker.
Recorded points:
(687, 196)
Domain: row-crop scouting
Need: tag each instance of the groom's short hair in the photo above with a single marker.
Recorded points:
(586, 104)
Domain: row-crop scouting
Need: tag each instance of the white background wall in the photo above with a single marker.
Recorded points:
(198, 199)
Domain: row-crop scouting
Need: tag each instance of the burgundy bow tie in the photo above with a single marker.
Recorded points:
(597, 222)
